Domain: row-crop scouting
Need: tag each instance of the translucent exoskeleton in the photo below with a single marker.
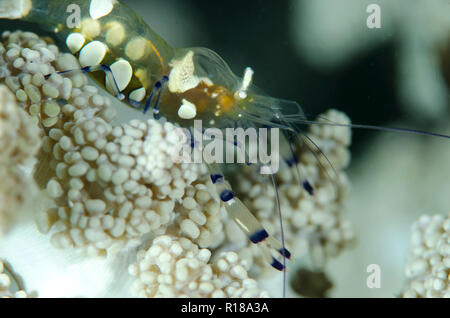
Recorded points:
(179, 84)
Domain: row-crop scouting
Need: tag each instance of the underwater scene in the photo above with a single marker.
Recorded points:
(232, 149)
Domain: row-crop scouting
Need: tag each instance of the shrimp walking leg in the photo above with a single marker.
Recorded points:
(155, 95)
(239, 213)
(100, 67)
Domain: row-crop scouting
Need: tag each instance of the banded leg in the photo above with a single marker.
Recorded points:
(292, 161)
(239, 213)
(311, 145)
(155, 96)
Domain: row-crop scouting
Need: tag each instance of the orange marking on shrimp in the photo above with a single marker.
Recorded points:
(204, 96)
(157, 55)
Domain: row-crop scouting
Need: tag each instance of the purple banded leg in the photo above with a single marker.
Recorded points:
(155, 96)
(293, 162)
(248, 223)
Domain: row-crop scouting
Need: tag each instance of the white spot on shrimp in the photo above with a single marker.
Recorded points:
(100, 8)
(122, 72)
(136, 48)
(75, 42)
(138, 94)
(187, 110)
(92, 53)
(90, 28)
(181, 77)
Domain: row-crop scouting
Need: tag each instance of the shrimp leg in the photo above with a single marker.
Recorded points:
(248, 223)
(156, 93)
(100, 67)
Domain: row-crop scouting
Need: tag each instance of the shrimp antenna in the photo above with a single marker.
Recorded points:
(306, 137)
(371, 127)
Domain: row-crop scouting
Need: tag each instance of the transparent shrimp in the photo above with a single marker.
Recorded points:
(179, 84)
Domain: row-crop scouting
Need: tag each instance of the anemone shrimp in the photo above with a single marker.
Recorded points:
(182, 85)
